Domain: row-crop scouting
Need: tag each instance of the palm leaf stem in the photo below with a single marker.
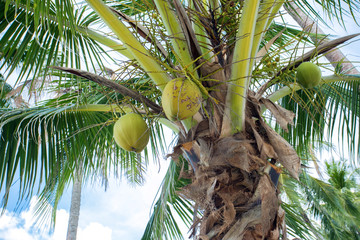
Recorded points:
(100, 108)
(112, 44)
(317, 34)
(200, 32)
(121, 109)
(214, 5)
(322, 48)
(113, 85)
(169, 124)
(240, 74)
(176, 33)
(265, 16)
(142, 55)
(143, 31)
(275, 9)
(193, 45)
(293, 87)
(120, 48)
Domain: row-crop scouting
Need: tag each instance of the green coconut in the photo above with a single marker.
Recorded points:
(181, 99)
(131, 132)
(308, 74)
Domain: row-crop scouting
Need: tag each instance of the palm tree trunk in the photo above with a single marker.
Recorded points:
(74, 209)
(334, 56)
(234, 183)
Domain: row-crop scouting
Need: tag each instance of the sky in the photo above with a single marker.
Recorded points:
(123, 210)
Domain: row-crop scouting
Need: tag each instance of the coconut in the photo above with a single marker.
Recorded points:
(308, 74)
(131, 132)
(181, 99)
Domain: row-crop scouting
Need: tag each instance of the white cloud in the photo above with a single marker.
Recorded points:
(62, 217)
(121, 212)
(7, 221)
(94, 231)
(16, 234)
(15, 226)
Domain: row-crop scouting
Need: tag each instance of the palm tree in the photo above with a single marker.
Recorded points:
(333, 203)
(74, 207)
(224, 177)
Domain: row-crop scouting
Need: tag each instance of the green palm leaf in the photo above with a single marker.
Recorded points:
(40, 144)
(334, 9)
(162, 223)
(35, 42)
(322, 110)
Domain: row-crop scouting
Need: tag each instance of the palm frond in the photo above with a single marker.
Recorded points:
(337, 209)
(297, 222)
(163, 223)
(331, 108)
(334, 9)
(33, 40)
(39, 144)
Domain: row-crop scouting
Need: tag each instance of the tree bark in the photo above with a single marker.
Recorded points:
(234, 179)
(74, 209)
(334, 56)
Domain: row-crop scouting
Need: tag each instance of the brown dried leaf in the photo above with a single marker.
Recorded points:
(274, 235)
(265, 149)
(15, 91)
(203, 237)
(201, 190)
(281, 224)
(229, 213)
(262, 52)
(205, 151)
(287, 156)
(281, 214)
(20, 102)
(249, 219)
(269, 203)
(243, 164)
(210, 221)
(230, 151)
(282, 115)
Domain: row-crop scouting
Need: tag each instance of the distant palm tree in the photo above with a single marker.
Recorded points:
(333, 203)
(74, 207)
(231, 160)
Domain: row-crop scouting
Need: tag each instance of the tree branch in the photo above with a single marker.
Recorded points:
(113, 85)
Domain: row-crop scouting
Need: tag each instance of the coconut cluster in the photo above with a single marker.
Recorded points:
(181, 99)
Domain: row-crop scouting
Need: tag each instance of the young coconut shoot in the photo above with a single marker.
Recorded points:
(234, 116)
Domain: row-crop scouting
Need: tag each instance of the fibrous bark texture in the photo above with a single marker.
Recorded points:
(234, 179)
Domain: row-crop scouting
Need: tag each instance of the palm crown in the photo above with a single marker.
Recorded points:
(233, 52)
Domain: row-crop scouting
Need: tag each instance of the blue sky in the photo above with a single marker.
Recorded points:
(119, 213)
(122, 211)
